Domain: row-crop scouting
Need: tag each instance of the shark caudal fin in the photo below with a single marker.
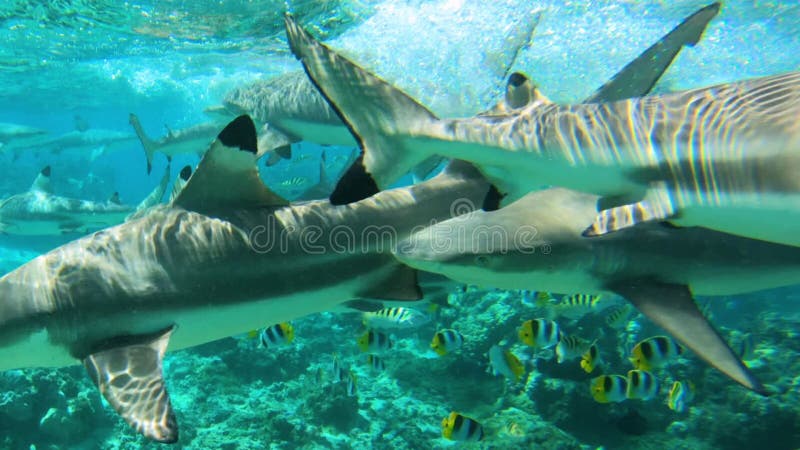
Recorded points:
(147, 143)
(129, 375)
(227, 177)
(640, 75)
(672, 307)
(379, 115)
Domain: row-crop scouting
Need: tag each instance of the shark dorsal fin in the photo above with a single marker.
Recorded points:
(130, 377)
(42, 181)
(115, 198)
(519, 90)
(227, 177)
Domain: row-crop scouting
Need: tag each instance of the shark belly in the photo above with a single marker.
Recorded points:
(325, 134)
(196, 323)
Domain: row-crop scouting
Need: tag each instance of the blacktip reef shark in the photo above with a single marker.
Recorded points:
(635, 79)
(11, 131)
(192, 140)
(39, 211)
(724, 157)
(226, 256)
(288, 108)
(93, 142)
(536, 243)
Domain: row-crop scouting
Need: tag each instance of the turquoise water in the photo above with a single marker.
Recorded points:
(92, 63)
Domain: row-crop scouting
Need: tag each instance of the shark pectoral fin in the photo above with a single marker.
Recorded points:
(614, 201)
(383, 119)
(672, 307)
(656, 206)
(400, 285)
(640, 75)
(363, 305)
(227, 177)
(131, 380)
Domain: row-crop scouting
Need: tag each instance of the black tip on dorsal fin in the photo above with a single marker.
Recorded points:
(492, 200)
(46, 171)
(115, 198)
(517, 79)
(241, 133)
(186, 172)
(356, 184)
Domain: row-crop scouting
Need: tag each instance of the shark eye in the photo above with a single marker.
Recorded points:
(482, 261)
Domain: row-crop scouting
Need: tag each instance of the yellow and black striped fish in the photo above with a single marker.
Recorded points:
(277, 335)
(591, 359)
(609, 388)
(446, 341)
(388, 318)
(457, 427)
(376, 363)
(618, 316)
(642, 385)
(571, 347)
(374, 342)
(539, 333)
(294, 182)
(654, 352)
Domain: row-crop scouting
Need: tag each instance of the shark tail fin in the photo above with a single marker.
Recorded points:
(147, 143)
(379, 115)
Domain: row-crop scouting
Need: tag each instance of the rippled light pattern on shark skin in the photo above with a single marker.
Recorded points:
(724, 156)
(226, 251)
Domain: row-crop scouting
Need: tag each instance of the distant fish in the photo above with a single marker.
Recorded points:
(351, 384)
(457, 427)
(505, 363)
(618, 316)
(543, 299)
(746, 347)
(654, 352)
(578, 305)
(277, 335)
(374, 342)
(609, 388)
(389, 318)
(446, 341)
(591, 359)
(680, 395)
(642, 385)
(294, 182)
(539, 333)
(376, 363)
(571, 347)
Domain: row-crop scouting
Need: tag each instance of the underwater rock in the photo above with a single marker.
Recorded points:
(632, 423)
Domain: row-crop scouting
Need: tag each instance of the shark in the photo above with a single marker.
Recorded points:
(192, 140)
(722, 157)
(11, 131)
(94, 142)
(39, 211)
(537, 243)
(227, 255)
